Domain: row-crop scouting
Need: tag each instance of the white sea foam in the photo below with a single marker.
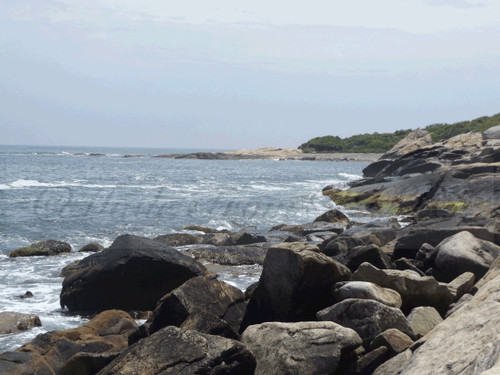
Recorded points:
(350, 176)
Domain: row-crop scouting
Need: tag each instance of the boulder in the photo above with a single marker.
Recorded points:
(367, 290)
(423, 319)
(47, 353)
(393, 339)
(12, 322)
(368, 253)
(296, 282)
(132, 274)
(199, 228)
(313, 348)
(199, 300)
(317, 226)
(92, 247)
(85, 363)
(46, 248)
(230, 255)
(178, 239)
(492, 133)
(245, 238)
(415, 290)
(367, 317)
(463, 252)
(417, 139)
(173, 351)
(433, 231)
(332, 216)
(466, 342)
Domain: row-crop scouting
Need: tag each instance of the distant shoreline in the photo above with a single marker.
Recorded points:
(269, 153)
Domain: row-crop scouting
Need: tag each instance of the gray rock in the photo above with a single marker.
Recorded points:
(46, 248)
(299, 348)
(92, 247)
(463, 252)
(85, 363)
(367, 317)
(393, 339)
(12, 322)
(332, 216)
(132, 274)
(230, 255)
(199, 300)
(462, 284)
(173, 351)
(369, 362)
(179, 239)
(296, 282)
(367, 290)
(415, 290)
(395, 365)
(423, 319)
(467, 342)
(492, 133)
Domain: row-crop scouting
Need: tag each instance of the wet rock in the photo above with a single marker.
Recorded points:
(393, 339)
(367, 290)
(367, 317)
(463, 252)
(132, 274)
(173, 351)
(230, 255)
(423, 319)
(199, 228)
(303, 348)
(200, 300)
(414, 289)
(12, 322)
(296, 282)
(46, 248)
(92, 247)
(28, 294)
(47, 353)
(332, 216)
(179, 239)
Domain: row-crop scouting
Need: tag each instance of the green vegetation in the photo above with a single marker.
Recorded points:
(383, 142)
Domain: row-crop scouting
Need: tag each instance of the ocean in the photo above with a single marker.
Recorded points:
(82, 194)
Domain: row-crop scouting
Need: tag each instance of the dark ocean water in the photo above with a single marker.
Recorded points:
(71, 194)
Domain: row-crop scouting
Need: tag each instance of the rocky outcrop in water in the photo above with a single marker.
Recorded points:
(45, 248)
(12, 322)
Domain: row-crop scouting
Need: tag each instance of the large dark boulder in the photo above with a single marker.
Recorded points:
(296, 282)
(132, 274)
(204, 304)
(306, 348)
(48, 353)
(173, 351)
(48, 247)
(332, 216)
(367, 317)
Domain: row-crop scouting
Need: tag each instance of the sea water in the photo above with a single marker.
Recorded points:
(79, 195)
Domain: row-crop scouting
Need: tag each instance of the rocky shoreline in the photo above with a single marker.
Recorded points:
(270, 153)
(334, 296)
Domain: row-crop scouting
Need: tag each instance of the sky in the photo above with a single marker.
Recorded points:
(229, 74)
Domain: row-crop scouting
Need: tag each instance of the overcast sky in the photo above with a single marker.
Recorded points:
(237, 74)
